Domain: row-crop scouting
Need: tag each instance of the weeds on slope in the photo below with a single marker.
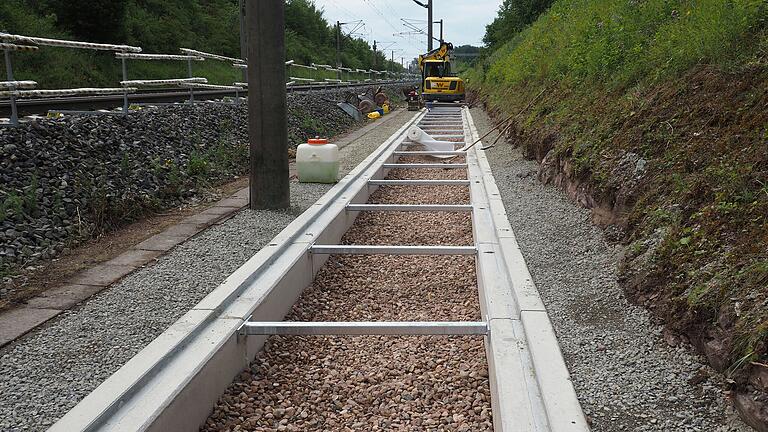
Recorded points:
(660, 110)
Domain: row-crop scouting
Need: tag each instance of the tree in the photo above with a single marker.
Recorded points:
(92, 20)
(513, 16)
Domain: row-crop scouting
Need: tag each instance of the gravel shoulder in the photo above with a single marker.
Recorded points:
(48, 371)
(627, 378)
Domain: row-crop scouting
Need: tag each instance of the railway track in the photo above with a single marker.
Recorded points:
(399, 300)
(40, 106)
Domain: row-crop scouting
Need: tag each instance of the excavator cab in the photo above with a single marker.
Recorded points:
(438, 83)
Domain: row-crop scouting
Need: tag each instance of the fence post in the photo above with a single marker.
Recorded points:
(9, 73)
(125, 92)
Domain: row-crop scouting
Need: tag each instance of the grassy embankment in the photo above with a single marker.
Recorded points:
(661, 107)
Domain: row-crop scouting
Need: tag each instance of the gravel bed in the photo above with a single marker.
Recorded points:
(383, 382)
(627, 378)
(65, 180)
(45, 373)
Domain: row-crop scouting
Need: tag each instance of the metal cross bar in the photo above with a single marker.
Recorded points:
(447, 136)
(425, 165)
(429, 153)
(410, 207)
(415, 144)
(364, 328)
(418, 182)
(431, 125)
(392, 250)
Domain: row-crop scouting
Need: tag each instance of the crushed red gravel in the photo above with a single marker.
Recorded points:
(367, 383)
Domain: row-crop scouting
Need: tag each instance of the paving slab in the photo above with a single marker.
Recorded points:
(184, 230)
(102, 275)
(16, 322)
(75, 291)
(204, 219)
(217, 210)
(160, 242)
(53, 302)
(233, 202)
(134, 258)
(243, 193)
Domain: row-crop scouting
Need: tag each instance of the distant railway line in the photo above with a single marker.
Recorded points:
(40, 106)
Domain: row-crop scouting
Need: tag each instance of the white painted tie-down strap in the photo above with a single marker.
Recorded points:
(173, 383)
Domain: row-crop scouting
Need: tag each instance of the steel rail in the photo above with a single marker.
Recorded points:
(41, 106)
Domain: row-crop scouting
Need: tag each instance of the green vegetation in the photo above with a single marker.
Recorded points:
(162, 26)
(513, 16)
(464, 57)
(680, 85)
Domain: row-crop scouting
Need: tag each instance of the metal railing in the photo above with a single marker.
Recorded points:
(315, 74)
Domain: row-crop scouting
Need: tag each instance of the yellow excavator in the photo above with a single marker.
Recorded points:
(438, 83)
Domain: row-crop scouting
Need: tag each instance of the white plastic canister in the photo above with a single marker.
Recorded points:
(317, 161)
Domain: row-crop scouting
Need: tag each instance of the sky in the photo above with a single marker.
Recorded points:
(464, 22)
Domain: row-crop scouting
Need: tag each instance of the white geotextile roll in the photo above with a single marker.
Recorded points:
(417, 135)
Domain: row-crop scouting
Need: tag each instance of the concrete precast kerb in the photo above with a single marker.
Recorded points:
(174, 382)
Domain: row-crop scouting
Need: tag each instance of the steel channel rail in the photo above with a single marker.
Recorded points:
(173, 384)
